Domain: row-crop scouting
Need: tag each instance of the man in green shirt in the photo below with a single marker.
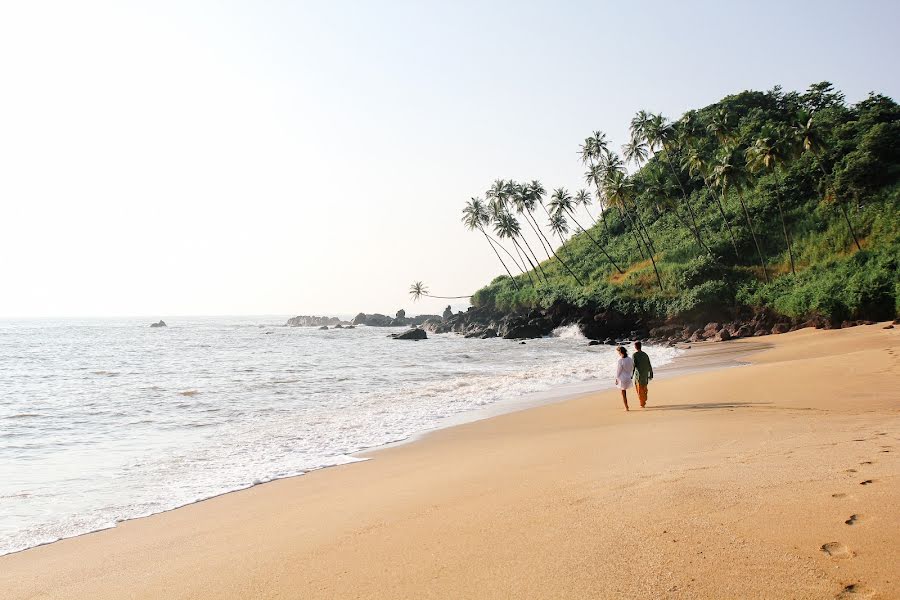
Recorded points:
(643, 373)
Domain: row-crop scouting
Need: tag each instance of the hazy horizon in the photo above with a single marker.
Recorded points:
(212, 159)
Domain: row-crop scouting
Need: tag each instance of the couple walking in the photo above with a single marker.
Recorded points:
(637, 367)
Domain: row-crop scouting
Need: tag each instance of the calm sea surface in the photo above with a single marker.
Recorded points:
(106, 420)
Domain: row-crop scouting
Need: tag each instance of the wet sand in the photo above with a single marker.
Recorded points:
(778, 479)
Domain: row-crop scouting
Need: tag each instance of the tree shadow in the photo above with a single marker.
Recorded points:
(709, 406)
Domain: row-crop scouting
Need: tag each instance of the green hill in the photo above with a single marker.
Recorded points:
(764, 200)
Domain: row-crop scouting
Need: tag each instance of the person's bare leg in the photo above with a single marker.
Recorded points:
(625, 399)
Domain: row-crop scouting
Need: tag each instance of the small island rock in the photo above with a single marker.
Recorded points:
(412, 334)
(160, 323)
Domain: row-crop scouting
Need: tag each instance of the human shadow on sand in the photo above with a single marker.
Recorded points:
(709, 406)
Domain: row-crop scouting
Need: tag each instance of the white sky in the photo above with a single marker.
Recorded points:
(177, 158)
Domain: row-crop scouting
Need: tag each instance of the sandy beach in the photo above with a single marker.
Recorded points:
(777, 479)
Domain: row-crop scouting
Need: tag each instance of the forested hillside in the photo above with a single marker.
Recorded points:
(783, 201)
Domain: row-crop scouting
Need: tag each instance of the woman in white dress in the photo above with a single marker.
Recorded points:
(624, 371)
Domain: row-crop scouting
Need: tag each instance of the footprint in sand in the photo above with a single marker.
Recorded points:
(852, 591)
(852, 520)
(839, 495)
(867, 482)
(837, 550)
(866, 462)
(849, 470)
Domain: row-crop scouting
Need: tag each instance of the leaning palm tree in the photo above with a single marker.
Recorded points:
(619, 191)
(769, 153)
(696, 166)
(475, 217)
(530, 195)
(562, 202)
(808, 138)
(727, 174)
(507, 227)
(418, 289)
(559, 226)
(659, 136)
(583, 199)
(510, 194)
(500, 195)
(636, 152)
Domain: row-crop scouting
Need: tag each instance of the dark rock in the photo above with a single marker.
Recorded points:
(350, 327)
(159, 323)
(488, 333)
(594, 343)
(723, 336)
(711, 328)
(447, 313)
(527, 331)
(888, 327)
(401, 314)
(359, 319)
(323, 328)
(412, 334)
(779, 328)
(338, 326)
(523, 343)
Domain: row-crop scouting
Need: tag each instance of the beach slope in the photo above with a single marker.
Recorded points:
(778, 479)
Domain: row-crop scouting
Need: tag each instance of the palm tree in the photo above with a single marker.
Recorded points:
(697, 166)
(560, 226)
(583, 198)
(506, 226)
(769, 153)
(721, 126)
(618, 191)
(499, 195)
(418, 289)
(561, 202)
(727, 174)
(809, 139)
(659, 135)
(475, 217)
(528, 197)
(512, 196)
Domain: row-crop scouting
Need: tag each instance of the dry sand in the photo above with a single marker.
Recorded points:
(773, 480)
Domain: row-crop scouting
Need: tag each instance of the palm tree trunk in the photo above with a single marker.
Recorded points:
(724, 218)
(519, 252)
(602, 249)
(538, 262)
(528, 258)
(502, 247)
(784, 230)
(843, 210)
(849, 224)
(500, 258)
(762, 260)
(695, 230)
(542, 237)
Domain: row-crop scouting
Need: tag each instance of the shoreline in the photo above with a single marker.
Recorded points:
(435, 449)
(501, 407)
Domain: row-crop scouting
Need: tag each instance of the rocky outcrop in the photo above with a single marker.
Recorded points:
(412, 334)
(159, 323)
(399, 320)
(312, 321)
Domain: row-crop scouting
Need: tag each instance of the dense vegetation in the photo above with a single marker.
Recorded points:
(765, 199)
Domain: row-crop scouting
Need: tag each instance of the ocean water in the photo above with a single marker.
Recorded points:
(107, 420)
